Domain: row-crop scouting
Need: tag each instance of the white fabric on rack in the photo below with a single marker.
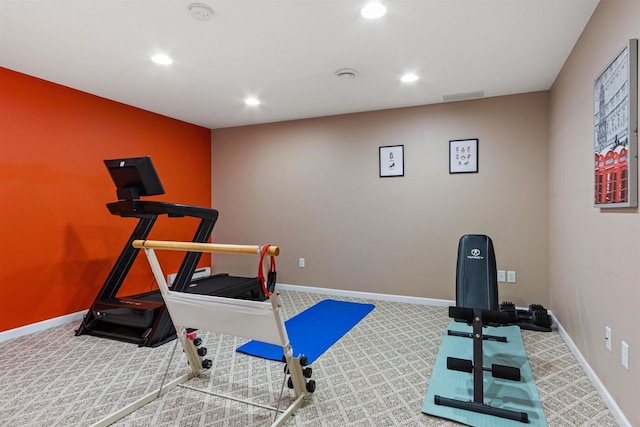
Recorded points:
(248, 319)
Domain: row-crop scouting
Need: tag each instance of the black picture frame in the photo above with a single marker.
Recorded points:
(391, 161)
(463, 156)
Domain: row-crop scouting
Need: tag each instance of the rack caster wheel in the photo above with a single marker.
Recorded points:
(311, 386)
(202, 351)
(207, 363)
(306, 372)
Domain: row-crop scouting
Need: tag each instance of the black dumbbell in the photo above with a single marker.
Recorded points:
(207, 363)
(536, 307)
(541, 318)
(202, 351)
(507, 305)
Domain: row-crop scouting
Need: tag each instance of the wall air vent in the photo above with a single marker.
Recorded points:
(463, 96)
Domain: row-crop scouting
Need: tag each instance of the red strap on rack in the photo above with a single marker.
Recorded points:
(266, 287)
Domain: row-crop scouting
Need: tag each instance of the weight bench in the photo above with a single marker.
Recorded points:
(476, 278)
(477, 304)
(259, 320)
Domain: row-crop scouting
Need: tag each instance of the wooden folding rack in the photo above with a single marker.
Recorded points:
(255, 320)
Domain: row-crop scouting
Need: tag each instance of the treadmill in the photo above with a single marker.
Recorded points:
(142, 318)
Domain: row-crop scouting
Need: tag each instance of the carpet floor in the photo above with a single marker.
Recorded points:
(376, 375)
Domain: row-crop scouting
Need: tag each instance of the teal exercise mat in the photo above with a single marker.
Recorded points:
(314, 330)
(521, 396)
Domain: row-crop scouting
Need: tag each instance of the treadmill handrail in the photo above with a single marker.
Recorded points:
(141, 208)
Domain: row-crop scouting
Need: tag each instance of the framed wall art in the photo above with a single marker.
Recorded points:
(615, 127)
(391, 161)
(463, 156)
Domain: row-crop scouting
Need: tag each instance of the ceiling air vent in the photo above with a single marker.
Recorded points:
(347, 73)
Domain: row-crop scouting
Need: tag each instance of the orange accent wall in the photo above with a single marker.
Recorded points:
(58, 241)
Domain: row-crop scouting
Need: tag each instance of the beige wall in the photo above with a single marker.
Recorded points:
(594, 254)
(312, 187)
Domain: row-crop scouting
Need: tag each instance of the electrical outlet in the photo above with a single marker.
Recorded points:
(301, 262)
(607, 337)
(502, 276)
(511, 276)
(625, 355)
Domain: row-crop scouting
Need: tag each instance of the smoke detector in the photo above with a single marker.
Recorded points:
(347, 73)
(200, 11)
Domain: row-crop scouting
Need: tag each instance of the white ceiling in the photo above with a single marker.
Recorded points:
(286, 52)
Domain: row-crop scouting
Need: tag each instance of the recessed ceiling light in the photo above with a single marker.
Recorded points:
(409, 78)
(161, 59)
(252, 101)
(373, 10)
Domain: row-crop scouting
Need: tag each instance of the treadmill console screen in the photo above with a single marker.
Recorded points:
(134, 177)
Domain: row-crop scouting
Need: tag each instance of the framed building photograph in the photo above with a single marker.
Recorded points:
(615, 124)
(391, 161)
(463, 156)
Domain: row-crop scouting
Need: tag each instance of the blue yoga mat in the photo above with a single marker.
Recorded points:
(314, 330)
(521, 396)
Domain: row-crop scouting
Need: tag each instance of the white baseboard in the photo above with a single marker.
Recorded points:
(366, 295)
(41, 326)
